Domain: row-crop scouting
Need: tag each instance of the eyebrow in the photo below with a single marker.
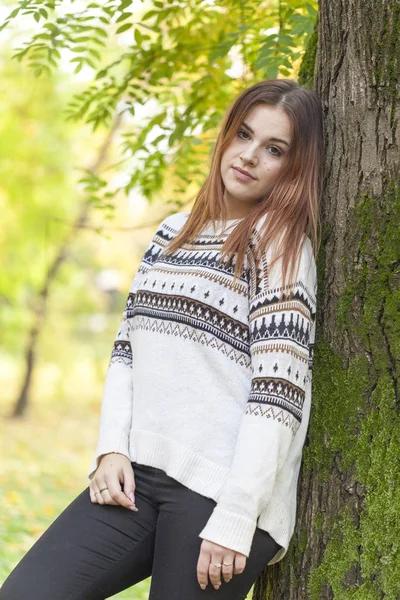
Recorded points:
(273, 139)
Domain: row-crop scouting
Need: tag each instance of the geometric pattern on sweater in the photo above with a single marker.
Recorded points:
(219, 276)
(122, 353)
(193, 334)
(273, 326)
(300, 299)
(287, 349)
(278, 392)
(263, 330)
(196, 255)
(198, 315)
(122, 350)
(208, 261)
(204, 318)
(271, 411)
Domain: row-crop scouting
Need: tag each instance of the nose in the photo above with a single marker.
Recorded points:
(249, 155)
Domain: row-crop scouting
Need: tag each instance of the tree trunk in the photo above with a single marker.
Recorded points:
(40, 305)
(346, 542)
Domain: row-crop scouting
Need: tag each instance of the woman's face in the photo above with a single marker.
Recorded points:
(258, 147)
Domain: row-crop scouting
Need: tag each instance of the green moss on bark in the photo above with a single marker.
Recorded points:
(306, 71)
(355, 422)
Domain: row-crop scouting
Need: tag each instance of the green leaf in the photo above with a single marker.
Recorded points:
(98, 42)
(101, 74)
(138, 37)
(101, 31)
(95, 53)
(286, 39)
(311, 10)
(298, 18)
(149, 14)
(82, 38)
(271, 71)
(158, 139)
(89, 62)
(14, 13)
(309, 29)
(78, 49)
(124, 27)
(124, 16)
(124, 4)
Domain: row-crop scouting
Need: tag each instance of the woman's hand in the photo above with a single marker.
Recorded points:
(114, 469)
(213, 553)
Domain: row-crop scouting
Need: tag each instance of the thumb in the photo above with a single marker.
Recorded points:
(129, 486)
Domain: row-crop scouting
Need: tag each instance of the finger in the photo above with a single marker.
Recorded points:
(107, 497)
(240, 563)
(129, 485)
(96, 492)
(202, 568)
(93, 496)
(227, 569)
(104, 497)
(119, 497)
(215, 572)
(115, 492)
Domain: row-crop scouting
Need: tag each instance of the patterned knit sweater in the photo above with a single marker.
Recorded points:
(211, 382)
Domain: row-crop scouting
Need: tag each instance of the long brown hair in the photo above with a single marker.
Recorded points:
(294, 198)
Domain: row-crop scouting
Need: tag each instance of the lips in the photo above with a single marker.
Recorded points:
(243, 175)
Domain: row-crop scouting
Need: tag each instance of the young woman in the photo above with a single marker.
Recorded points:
(207, 397)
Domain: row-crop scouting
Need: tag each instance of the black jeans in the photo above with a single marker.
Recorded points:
(93, 551)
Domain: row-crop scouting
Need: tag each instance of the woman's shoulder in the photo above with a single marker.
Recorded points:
(175, 220)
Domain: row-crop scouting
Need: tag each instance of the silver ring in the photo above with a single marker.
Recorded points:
(102, 490)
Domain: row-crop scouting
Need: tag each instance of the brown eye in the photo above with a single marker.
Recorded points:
(240, 132)
(279, 152)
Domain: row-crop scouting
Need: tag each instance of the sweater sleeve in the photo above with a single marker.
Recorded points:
(280, 347)
(116, 404)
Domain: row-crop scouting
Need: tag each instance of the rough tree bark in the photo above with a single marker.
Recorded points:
(346, 543)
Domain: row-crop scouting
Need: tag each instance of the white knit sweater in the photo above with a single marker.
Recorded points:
(212, 383)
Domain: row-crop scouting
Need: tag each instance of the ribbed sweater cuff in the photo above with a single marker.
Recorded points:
(114, 440)
(230, 530)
